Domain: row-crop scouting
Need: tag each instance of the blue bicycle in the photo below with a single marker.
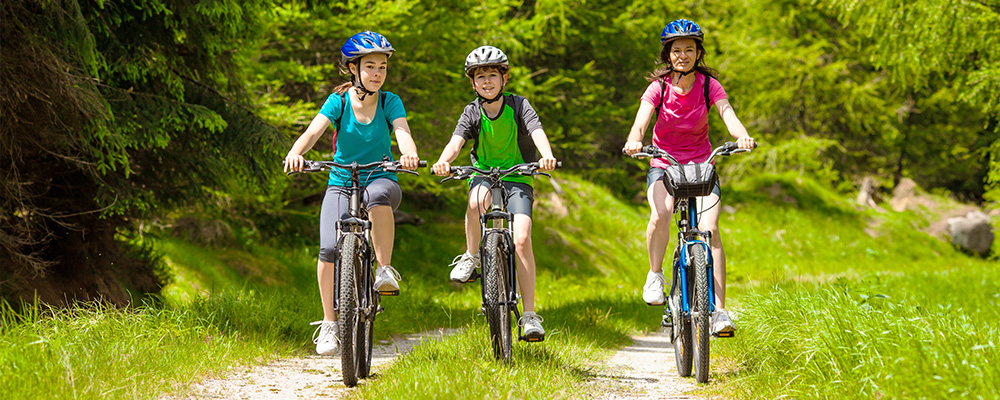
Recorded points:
(689, 309)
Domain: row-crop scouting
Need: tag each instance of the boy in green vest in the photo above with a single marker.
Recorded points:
(506, 131)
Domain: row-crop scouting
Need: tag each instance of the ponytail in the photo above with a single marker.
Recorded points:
(343, 87)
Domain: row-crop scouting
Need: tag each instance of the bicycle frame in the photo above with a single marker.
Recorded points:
(688, 235)
(357, 224)
(501, 222)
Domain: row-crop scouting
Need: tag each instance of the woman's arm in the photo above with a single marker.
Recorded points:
(736, 128)
(645, 114)
(294, 160)
(404, 139)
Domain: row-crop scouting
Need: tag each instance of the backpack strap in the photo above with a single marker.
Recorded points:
(663, 94)
(708, 103)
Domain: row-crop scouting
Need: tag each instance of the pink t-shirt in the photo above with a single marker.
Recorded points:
(682, 126)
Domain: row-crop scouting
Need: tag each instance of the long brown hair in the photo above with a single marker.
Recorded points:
(665, 67)
(344, 69)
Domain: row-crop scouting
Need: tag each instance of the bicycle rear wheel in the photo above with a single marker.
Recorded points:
(682, 328)
(350, 347)
(494, 263)
(702, 315)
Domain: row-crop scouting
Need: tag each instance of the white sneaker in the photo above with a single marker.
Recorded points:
(325, 337)
(652, 292)
(387, 280)
(721, 321)
(532, 327)
(464, 265)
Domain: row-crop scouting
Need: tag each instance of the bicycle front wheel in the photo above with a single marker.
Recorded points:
(494, 263)
(350, 347)
(682, 328)
(702, 315)
(366, 326)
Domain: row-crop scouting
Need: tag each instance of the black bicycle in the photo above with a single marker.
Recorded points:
(689, 320)
(355, 297)
(497, 257)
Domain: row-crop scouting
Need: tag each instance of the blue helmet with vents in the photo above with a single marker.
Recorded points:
(682, 28)
(365, 43)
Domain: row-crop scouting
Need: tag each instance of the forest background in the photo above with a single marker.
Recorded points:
(122, 116)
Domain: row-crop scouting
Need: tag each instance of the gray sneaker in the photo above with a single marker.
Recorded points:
(325, 337)
(387, 281)
(532, 327)
(464, 265)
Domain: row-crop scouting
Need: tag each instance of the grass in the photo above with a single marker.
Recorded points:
(920, 335)
(833, 301)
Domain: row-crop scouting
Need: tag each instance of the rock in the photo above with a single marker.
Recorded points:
(867, 194)
(402, 218)
(972, 233)
(903, 194)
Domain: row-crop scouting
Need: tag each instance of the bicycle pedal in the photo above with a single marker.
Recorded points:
(532, 339)
(389, 292)
(724, 334)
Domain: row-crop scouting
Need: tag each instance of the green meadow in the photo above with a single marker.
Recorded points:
(831, 301)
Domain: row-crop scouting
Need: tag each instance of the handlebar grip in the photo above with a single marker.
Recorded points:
(558, 164)
(421, 163)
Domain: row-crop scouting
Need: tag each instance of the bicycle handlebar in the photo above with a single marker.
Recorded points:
(727, 149)
(463, 172)
(388, 166)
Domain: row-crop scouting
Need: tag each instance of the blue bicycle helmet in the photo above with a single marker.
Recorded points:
(682, 28)
(365, 43)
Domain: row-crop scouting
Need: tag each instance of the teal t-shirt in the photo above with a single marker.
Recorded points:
(364, 143)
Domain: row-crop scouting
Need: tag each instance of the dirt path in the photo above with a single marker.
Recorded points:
(643, 370)
(309, 377)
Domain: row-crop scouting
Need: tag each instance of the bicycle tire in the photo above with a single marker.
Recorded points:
(702, 319)
(364, 335)
(497, 313)
(682, 329)
(350, 261)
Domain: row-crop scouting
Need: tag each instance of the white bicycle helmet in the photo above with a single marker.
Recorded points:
(484, 56)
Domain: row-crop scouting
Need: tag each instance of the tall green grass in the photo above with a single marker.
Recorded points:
(89, 351)
(920, 335)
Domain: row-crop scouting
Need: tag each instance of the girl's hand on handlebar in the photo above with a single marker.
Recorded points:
(294, 163)
(746, 142)
(547, 163)
(409, 161)
(632, 147)
(442, 168)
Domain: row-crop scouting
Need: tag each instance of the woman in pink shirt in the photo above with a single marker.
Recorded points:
(680, 99)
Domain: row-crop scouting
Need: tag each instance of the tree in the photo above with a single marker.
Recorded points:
(933, 43)
(112, 111)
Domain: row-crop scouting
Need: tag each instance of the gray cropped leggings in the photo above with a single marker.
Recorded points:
(336, 206)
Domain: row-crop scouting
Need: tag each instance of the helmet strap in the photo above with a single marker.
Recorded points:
(356, 80)
(363, 91)
(493, 100)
